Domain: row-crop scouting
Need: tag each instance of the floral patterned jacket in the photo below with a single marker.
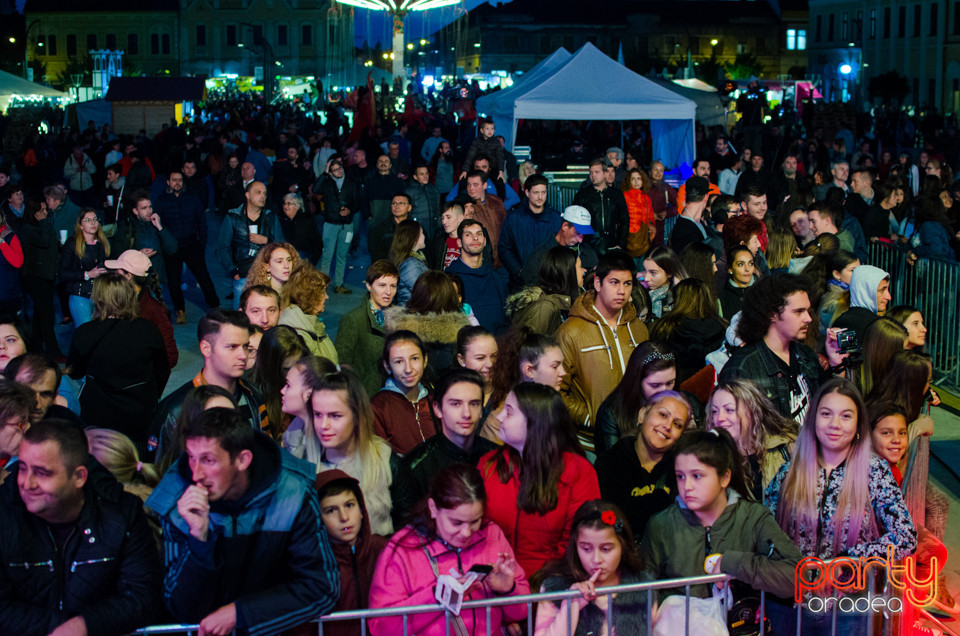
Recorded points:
(894, 523)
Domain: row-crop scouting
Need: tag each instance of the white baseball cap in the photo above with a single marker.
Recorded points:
(579, 217)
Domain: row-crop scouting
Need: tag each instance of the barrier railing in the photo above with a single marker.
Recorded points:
(530, 600)
(931, 285)
(560, 196)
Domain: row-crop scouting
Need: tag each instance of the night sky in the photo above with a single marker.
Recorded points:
(375, 26)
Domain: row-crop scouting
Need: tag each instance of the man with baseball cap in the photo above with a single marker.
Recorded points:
(135, 265)
(689, 228)
(575, 224)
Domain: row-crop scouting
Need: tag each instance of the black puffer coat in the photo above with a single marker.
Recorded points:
(108, 572)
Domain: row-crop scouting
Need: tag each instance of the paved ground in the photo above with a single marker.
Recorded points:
(944, 447)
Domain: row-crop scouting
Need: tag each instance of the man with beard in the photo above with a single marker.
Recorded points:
(484, 287)
(773, 324)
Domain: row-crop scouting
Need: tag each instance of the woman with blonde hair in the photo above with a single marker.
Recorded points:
(116, 453)
(123, 359)
(304, 298)
(835, 497)
(764, 438)
(81, 262)
(635, 472)
(338, 433)
(526, 170)
(780, 249)
(273, 265)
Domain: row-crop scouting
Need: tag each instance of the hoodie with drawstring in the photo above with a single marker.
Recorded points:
(863, 300)
(357, 563)
(595, 357)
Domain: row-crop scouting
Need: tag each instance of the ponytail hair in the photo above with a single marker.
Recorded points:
(515, 347)
(716, 449)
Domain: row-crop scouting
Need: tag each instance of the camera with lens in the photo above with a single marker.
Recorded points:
(847, 342)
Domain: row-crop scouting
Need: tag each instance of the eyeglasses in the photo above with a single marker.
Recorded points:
(94, 220)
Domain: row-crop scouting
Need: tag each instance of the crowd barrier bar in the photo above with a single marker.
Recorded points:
(560, 197)
(932, 285)
(529, 600)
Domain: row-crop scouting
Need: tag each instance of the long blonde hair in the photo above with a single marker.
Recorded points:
(370, 465)
(316, 379)
(116, 453)
(798, 504)
(764, 419)
(79, 245)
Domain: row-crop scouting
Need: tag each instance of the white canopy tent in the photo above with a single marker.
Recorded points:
(710, 109)
(591, 86)
(12, 86)
(502, 101)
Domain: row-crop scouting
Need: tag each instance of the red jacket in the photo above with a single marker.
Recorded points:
(537, 539)
(403, 424)
(152, 310)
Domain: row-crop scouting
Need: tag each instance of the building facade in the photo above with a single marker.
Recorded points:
(295, 37)
(650, 33)
(853, 41)
(196, 37)
(61, 31)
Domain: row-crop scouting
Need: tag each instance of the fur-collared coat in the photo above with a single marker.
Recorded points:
(438, 331)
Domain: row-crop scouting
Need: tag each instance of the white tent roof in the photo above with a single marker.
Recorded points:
(590, 85)
(696, 84)
(545, 66)
(710, 110)
(11, 85)
(501, 102)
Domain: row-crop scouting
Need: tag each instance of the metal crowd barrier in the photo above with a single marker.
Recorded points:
(931, 285)
(530, 600)
(560, 196)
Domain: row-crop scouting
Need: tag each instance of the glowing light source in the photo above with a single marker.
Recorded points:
(846, 69)
(714, 42)
(400, 5)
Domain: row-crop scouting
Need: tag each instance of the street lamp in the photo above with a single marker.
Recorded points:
(399, 9)
(26, 48)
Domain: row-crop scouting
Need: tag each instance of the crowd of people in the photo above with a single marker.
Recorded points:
(524, 398)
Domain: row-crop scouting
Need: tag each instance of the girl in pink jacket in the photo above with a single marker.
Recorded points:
(450, 534)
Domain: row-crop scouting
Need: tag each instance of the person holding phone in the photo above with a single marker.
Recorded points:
(81, 262)
(448, 536)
